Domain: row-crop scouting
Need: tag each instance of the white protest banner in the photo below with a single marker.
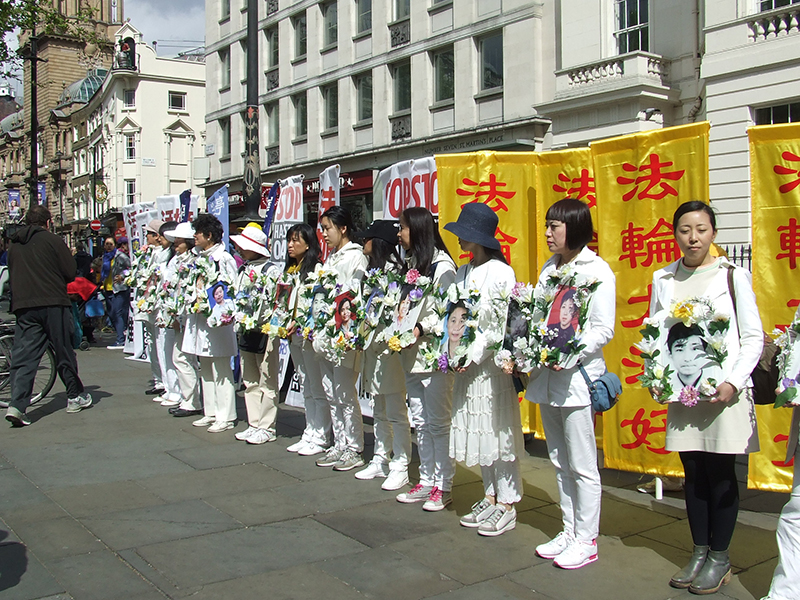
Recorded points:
(135, 237)
(169, 208)
(407, 184)
(328, 197)
(288, 212)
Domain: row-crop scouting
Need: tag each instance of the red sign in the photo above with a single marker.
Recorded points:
(95, 225)
(350, 184)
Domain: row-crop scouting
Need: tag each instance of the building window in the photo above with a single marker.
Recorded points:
(130, 191)
(273, 124)
(444, 75)
(225, 68)
(331, 97)
(402, 86)
(300, 115)
(770, 4)
(330, 24)
(632, 31)
(402, 8)
(364, 96)
(491, 49)
(177, 100)
(129, 98)
(783, 113)
(300, 36)
(225, 137)
(363, 16)
(225, 10)
(130, 146)
(273, 48)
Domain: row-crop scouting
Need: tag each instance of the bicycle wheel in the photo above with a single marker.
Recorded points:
(43, 381)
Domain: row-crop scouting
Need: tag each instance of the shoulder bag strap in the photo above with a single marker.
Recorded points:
(585, 375)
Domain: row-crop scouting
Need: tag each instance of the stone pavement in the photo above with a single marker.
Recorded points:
(124, 501)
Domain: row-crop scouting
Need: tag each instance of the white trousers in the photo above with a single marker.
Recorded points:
(318, 413)
(430, 398)
(219, 393)
(260, 377)
(392, 431)
(188, 370)
(573, 452)
(786, 580)
(502, 480)
(165, 342)
(339, 384)
(152, 352)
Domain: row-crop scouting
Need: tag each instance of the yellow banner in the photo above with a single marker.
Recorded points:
(775, 198)
(504, 181)
(642, 178)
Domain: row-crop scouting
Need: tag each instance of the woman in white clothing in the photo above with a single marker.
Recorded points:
(430, 394)
(302, 258)
(347, 260)
(165, 336)
(486, 424)
(562, 393)
(708, 436)
(382, 375)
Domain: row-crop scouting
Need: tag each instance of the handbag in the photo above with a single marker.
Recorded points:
(765, 375)
(604, 392)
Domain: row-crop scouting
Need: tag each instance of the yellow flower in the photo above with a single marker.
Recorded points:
(684, 312)
(265, 328)
(140, 304)
(394, 344)
(282, 333)
(543, 355)
(306, 331)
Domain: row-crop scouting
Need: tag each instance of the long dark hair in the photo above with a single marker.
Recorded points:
(311, 257)
(168, 226)
(384, 253)
(341, 217)
(424, 236)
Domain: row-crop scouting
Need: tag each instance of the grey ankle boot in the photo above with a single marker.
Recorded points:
(714, 574)
(684, 578)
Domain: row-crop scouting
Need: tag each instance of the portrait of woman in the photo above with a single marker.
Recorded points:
(218, 299)
(455, 328)
(345, 314)
(516, 326)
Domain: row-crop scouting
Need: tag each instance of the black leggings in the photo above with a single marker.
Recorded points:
(712, 497)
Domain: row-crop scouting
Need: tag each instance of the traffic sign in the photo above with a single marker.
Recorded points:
(95, 225)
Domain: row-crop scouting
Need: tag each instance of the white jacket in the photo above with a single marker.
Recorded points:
(349, 263)
(567, 388)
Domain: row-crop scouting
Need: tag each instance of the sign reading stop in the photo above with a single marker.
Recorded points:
(95, 225)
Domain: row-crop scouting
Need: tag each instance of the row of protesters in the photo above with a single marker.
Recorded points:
(115, 270)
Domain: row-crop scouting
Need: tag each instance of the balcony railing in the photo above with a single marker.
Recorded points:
(626, 69)
(774, 24)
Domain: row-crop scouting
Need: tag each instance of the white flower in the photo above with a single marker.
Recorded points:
(647, 346)
(717, 341)
(706, 388)
(503, 355)
(658, 371)
(651, 321)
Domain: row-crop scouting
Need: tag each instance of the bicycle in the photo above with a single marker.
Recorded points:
(45, 373)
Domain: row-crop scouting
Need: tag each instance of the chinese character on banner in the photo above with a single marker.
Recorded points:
(633, 364)
(654, 177)
(488, 192)
(328, 197)
(781, 170)
(642, 428)
(790, 242)
(656, 246)
(782, 437)
(644, 299)
(577, 187)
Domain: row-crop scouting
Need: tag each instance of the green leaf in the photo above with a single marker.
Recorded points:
(787, 395)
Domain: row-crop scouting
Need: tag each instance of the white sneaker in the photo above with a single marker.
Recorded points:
(160, 398)
(261, 436)
(578, 554)
(555, 546)
(297, 446)
(170, 402)
(372, 471)
(78, 404)
(480, 511)
(220, 426)
(395, 480)
(204, 422)
(498, 522)
(311, 450)
(243, 435)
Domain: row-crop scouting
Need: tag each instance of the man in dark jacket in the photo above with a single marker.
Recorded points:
(83, 260)
(41, 265)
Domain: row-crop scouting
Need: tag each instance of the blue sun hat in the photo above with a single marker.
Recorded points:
(477, 223)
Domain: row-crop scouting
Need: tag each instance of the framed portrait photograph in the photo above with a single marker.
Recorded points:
(685, 351)
(345, 313)
(406, 313)
(458, 335)
(221, 304)
(319, 301)
(373, 312)
(562, 322)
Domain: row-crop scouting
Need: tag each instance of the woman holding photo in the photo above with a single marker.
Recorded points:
(486, 424)
(383, 375)
(709, 435)
(562, 393)
(302, 259)
(430, 393)
(347, 260)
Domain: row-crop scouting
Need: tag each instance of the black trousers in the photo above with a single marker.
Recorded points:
(34, 328)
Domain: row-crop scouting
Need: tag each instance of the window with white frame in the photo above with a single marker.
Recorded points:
(632, 31)
(772, 4)
(300, 35)
(129, 98)
(364, 97)
(225, 137)
(225, 10)
(225, 68)
(444, 75)
(273, 124)
(177, 100)
(363, 16)
(130, 191)
(130, 146)
(330, 24)
(273, 48)
(401, 76)
(491, 51)
(781, 113)
(402, 9)
(300, 115)
(330, 95)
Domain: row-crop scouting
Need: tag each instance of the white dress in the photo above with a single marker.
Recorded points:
(486, 422)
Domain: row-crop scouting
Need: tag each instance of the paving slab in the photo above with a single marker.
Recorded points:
(302, 468)
(22, 575)
(57, 538)
(100, 576)
(97, 499)
(161, 523)
(222, 455)
(495, 589)
(217, 557)
(385, 573)
(18, 491)
(259, 507)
